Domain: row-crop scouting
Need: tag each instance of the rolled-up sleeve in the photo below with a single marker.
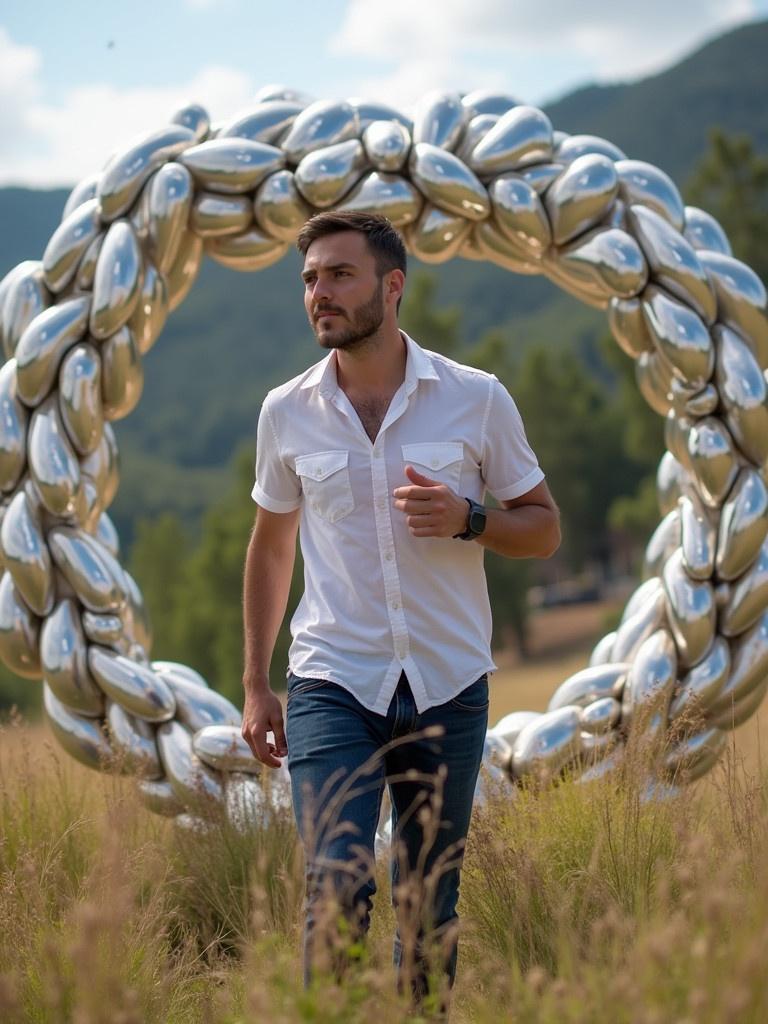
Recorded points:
(509, 467)
(277, 488)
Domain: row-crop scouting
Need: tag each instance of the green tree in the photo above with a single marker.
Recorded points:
(433, 328)
(158, 561)
(731, 183)
(575, 427)
(194, 592)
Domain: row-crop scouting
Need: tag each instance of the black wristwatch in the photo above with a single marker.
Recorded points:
(475, 521)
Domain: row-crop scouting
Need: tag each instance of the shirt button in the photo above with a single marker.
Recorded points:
(395, 605)
(378, 452)
(401, 652)
(316, 506)
(389, 556)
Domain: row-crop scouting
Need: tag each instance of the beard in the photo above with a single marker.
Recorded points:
(364, 323)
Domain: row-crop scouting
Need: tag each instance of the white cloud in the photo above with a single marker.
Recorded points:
(46, 144)
(623, 41)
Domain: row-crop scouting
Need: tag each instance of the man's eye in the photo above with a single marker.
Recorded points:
(342, 273)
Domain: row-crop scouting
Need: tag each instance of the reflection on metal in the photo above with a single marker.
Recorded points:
(479, 176)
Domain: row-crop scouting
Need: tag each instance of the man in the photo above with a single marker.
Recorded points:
(382, 453)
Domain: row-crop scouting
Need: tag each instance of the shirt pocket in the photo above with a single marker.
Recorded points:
(326, 484)
(439, 460)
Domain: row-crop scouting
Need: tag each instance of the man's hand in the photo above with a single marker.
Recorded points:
(431, 509)
(262, 713)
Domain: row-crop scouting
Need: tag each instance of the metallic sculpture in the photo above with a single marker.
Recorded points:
(478, 176)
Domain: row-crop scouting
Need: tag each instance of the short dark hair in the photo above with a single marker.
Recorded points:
(384, 241)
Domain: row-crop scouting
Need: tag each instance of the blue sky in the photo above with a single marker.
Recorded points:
(79, 79)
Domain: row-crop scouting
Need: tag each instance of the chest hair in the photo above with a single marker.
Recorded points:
(371, 412)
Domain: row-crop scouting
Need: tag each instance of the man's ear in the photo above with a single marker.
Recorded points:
(394, 285)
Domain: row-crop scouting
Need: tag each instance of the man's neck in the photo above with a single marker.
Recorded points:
(376, 369)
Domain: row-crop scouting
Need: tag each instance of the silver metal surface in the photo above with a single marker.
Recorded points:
(80, 403)
(19, 632)
(90, 569)
(64, 660)
(53, 464)
(673, 261)
(701, 685)
(440, 120)
(747, 597)
(135, 687)
(43, 344)
(252, 250)
(223, 747)
(741, 300)
(589, 685)
(266, 122)
(479, 177)
(572, 147)
(643, 183)
(83, 738)
(69, 243)
(437, 235)
(326, 175)
(124, 176)
(704, 232)
(13, 436)
(743, 391)
(581, 196)
(133, 741)
(279, 207)
(680, 335)
(520, 214)
(640, 620)
(628, 326)
(698, 538)
(448, 183)
(743, 525)
(611, 258)
(691, 611)
(387, 145)
(323, 123)
(148, 318)
(387, 194)
(231, 165)
(712, 460)
(25, 554)
(522, 135)
(168, 204)
(117, 282)
(122, 374)
(23, 296)
(545, 746)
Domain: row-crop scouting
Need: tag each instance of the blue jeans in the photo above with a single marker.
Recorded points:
(340, 757)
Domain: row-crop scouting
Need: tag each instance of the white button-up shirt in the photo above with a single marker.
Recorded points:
(377, 600)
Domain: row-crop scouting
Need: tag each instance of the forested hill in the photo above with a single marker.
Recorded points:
(238, 334)
(665, 119)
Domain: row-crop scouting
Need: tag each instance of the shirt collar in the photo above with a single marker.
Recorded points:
(418, 366)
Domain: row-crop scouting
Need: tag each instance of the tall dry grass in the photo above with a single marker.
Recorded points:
(580, 903)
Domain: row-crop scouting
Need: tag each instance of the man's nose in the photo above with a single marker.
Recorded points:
(321, 289)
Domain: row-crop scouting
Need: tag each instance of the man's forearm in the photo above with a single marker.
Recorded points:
(268, 571)
(530, 531)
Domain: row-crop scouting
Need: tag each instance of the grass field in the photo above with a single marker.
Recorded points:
(579, 903)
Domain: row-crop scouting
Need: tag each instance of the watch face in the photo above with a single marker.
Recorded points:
(477, 519)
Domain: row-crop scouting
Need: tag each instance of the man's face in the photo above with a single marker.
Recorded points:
(343, 293)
